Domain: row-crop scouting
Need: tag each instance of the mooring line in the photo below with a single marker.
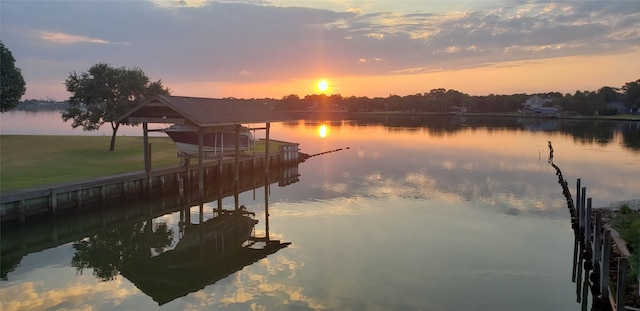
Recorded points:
(304, 156)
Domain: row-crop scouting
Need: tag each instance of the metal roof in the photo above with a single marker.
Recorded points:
(202, 112)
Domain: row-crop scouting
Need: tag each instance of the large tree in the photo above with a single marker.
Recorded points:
(104, 93)
(632, 93)
(12, 85)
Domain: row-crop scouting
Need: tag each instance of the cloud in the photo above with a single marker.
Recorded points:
(207, 42)
(64, 38)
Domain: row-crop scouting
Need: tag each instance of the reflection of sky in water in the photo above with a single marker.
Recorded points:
(403, 219)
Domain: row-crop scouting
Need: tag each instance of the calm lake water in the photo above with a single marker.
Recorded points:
(417, 214)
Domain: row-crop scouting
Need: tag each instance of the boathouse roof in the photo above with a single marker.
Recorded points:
(202, 112)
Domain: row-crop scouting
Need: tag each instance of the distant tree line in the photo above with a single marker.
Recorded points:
(603, 101)
(42, 105)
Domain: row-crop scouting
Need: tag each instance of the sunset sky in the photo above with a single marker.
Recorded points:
(256, 49)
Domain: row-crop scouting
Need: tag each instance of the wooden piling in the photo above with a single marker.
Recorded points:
(604, 269)
(577, 202)
(597, 244)
(54, 201)
(621, 283)
(587, 226)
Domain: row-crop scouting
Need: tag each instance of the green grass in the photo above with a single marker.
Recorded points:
(627, 223)
(32, 161)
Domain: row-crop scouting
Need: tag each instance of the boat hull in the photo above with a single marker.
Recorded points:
(215, 143)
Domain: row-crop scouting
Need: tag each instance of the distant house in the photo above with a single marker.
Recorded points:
(620, 107)
(536, 101)
(458, 110)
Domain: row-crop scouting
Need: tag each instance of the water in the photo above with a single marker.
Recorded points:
(417, 214)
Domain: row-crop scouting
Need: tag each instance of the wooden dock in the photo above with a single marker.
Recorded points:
(93, 193)
(19, 240)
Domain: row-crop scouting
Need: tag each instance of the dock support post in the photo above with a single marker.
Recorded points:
(22, 212)
(79, 197)
(145, 137)
(187, 164)
(149, 168)
(266, 148)
(236, 164)
(103, 195)
(54, 202)
(200, 160)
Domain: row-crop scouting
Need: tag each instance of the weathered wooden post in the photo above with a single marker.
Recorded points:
(583, 209)
(54, 202)
(621, 284)
(575, 259)
(180, 186)
(587, 226)
(597, 244)
(577, 203)
(604, 268)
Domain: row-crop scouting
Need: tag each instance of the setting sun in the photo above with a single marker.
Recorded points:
(323, 85)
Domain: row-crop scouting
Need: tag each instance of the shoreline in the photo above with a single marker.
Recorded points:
(625, 117)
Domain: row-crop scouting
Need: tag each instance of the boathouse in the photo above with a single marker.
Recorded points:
(208, 115)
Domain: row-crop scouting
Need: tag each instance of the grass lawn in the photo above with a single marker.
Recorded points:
(32, 161)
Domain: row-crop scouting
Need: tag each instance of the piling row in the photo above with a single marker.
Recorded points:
(594, 248)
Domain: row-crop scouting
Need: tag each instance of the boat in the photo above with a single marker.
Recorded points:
(217, 141)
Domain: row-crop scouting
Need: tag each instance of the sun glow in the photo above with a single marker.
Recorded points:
(323, 131)
(323, 85)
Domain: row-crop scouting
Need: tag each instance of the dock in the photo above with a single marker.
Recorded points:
(72, 224)
(49, 201)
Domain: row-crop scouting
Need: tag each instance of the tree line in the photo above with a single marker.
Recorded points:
(442, 101)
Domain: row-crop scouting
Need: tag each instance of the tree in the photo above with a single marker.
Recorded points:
(104, 93)
(12, 85)
(632, 93)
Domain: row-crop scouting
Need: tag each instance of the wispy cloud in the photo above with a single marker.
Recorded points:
(65, 38)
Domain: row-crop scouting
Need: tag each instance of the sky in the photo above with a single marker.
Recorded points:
(271, 49)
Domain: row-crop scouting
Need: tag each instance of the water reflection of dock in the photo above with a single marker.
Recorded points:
(207, 253)
(21, 240)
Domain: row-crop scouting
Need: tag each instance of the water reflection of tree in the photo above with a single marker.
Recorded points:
(631, 136)
(107, 252)
(583, 131)
(589, 132)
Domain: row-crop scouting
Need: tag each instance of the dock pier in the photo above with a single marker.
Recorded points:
(19, 206)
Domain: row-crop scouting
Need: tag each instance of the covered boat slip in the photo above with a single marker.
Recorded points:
(206, 116)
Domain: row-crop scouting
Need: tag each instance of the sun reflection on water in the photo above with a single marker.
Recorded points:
(323, 130)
